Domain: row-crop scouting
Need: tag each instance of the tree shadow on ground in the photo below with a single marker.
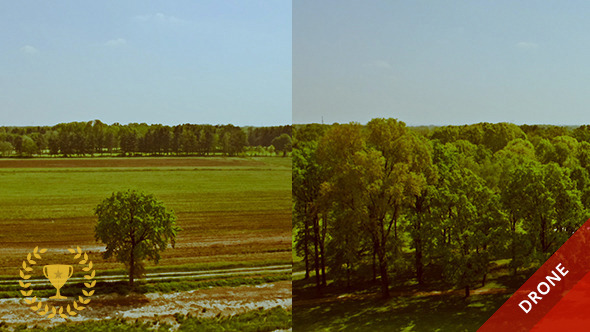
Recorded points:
(426, 313)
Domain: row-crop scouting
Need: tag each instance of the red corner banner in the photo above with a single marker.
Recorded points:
(556, 297)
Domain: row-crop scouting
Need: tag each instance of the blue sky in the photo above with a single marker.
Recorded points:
(165, 62)
(441, 62)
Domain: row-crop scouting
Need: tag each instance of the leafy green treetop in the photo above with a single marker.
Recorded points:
(134, 226)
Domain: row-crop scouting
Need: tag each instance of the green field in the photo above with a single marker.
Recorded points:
(233, 211)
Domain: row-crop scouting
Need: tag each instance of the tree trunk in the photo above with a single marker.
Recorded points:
(384, 276)
(323, 253)
(513, 229)
(132, 266)
(542, 235)
(418, 244)
(306, 255)
(348, 268)
(374, 261)
(305, 244)
(466, 291)
(132, 255)
(316, 241)
(419, 266)
(418, 240)
(381, 253)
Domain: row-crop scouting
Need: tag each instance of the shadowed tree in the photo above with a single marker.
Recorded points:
(476, 227)
(134, 226)
(341, 189)
(306, 179)
(405, 169)
(282, 144)
(518, 152)
(28, 146)
(372, 177)
(6, 149)
(547, 202)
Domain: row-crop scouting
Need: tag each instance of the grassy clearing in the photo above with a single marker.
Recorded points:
(411, 308)
(235, 210)
(260, 321)
(404, 313)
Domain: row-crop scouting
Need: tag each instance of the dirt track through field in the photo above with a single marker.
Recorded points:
(207, 303)
(176, 275)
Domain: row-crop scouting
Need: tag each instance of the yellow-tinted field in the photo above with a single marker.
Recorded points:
(231, 209)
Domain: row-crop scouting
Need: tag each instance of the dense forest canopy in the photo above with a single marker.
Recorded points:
(384, 201)
(95, 137)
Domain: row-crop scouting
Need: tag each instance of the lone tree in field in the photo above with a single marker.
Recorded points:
(134, 226)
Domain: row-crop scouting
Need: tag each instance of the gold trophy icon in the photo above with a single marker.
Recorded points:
(58, 275)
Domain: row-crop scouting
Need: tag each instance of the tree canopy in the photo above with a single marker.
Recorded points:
(134, 226)
(441, 204)
(95, 137)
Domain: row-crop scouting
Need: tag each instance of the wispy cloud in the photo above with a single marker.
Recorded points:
(28, 49)
(159, 18)
(379, 64)
(524, 45)
(116, 42)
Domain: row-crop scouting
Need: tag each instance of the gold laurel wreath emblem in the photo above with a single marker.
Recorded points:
(50, 310)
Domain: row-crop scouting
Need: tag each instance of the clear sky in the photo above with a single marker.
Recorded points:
(168, 62)
(441, 62)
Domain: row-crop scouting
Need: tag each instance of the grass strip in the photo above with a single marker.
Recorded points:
(121, 287)
(191, 267)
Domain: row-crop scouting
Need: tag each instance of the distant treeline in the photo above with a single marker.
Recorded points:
(95, 137)
(404, 205)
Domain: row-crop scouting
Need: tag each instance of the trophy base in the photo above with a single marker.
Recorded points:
(58, 297)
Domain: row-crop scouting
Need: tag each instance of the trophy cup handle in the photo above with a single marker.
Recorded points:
(71, 268)
(45, 271)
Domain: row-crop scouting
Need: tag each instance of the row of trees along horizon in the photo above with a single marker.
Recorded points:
(424, 205)
(95, 137)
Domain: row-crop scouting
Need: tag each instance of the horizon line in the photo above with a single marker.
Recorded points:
(140, 123)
